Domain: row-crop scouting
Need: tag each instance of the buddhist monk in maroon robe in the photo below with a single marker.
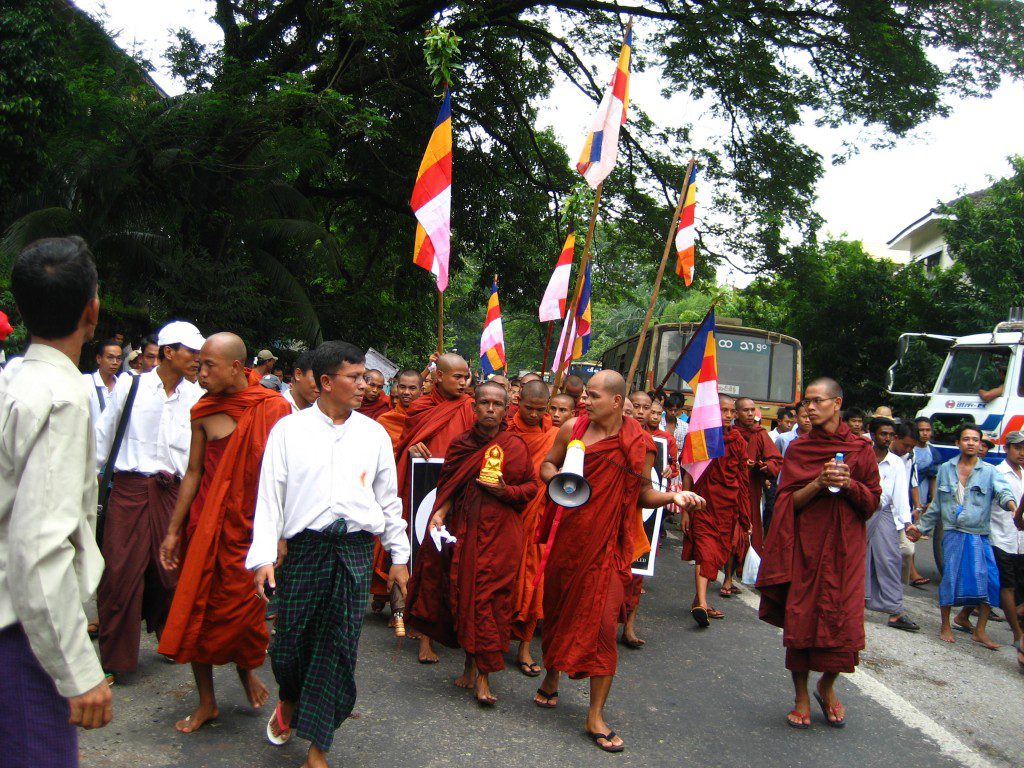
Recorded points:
(764, 461)
(709, 532)
(434, 420)
(812, 572)
(408, 386)
(590, 548)
(213, 619)
(462, 596)
(375, 402)
(533, 424)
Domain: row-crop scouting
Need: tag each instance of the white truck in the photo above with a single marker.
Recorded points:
(980, 381)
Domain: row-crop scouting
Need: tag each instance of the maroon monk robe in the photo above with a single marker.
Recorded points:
(463, 596)
(812, 571)
(588, 565)
(723, 486)
(760, 450)
(374, 409)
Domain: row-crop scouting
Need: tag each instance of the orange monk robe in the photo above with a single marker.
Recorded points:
(510, 413)
(253, 376)
(434, 421)
(374, 409)
(527, 601)
(394, 421)
(214, 618)
(589, 562)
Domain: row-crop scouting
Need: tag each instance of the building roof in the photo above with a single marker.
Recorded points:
(901, 241)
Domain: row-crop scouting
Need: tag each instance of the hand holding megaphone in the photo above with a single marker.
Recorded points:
(568, 488)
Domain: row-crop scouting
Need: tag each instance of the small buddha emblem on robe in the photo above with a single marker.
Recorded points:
(490, 472)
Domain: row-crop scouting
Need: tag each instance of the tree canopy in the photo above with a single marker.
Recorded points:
(271, 197)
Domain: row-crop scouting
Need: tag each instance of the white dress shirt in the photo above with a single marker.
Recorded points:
(159, 429)
(895, 501)
(94, 385)
(1004, 533)
(315, 472)
(49, 562)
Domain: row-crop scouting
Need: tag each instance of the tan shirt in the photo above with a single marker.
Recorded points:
(49, 562)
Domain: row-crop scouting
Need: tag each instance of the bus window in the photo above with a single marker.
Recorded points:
(783, 373)
(973, 368)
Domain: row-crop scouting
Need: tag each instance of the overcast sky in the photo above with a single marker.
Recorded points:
(871, 197)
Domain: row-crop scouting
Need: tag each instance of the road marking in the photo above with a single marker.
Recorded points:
(900, 708)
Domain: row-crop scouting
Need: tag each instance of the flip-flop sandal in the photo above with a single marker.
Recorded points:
(549, 699)
(598, 737)
(714, 613)
(958, 628)
(109, 678)
(735, 590)
(530, 670)
(700, 615)
(801, 725)
(725, 592)
(285, 730)
(920, 582)
(826, 711)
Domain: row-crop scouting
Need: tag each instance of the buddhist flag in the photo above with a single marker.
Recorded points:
(686, 233)
(699, 368)
(432, 199)
(601, 148)
(578, 327)
(492, 342)
(552, 306)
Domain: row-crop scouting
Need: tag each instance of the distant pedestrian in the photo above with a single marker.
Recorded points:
(100, 383)
(1008, 540)
(50, 677)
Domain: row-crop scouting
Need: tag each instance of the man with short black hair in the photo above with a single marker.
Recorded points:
(327, 486)
(785, 420)
(149, 354)
(303, 391)
(854, 419)
(1008, 541)
(150, 462)
(884, 585)
(100, 383)
(50, 565)
(561, 408)
(803, 427)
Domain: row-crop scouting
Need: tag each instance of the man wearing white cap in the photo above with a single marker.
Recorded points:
(265, 360)
(150, 462)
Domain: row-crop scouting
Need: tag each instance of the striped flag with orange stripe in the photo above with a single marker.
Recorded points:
(552, 306)
(686, 234)
(432, 199)
(492, 341)
(601, 149)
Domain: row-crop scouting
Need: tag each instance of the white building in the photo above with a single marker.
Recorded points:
(924, 242)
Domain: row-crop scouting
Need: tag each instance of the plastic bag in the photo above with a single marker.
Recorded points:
(751, 565)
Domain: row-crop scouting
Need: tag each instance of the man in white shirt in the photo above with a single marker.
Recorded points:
(303, 391)
(328, 485)
(784, 421)
(49, 562)
(884, 587)
(100, 383)
(1007, 540)
(148, 468)
(803, 427)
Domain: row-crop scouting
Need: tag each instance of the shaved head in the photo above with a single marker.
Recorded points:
(490, 386)
(640, 397)
(724, 398)
(831, 386)
(610, 382)
(527, 378)
(452, 376)
(500, 380)
(573, 386)
(535, 389)
(227, 346)
(450, 361)
(741, 400)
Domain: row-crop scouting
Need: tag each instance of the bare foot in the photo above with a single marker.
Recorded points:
(982, 638)
(427, 654)
(255, 691)
(630, 639)
(946, 635)
(483, 692)
(468, 677)
(197, 719)
(315, 758)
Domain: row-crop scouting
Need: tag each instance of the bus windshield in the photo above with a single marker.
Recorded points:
(748, 365)
(973, 368)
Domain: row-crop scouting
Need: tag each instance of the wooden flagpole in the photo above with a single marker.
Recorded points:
(686, 347)
(570, 315)
(440, 322)
(547, 346)
(657, 280)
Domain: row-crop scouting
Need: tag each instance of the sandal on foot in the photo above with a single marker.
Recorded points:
(549, 699)
(531, 669)
(920, 582)
(735, 590)
(700, 615)
(826, 711)
(285, 730)
(714, 613)
(598, 737)
(725, 591)
(960, 628)
(801, 725)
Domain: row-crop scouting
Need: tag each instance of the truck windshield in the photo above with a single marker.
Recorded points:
(973, 368)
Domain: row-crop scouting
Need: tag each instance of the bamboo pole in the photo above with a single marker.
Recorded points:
(440, 323)
(570, 315)
(657, 280)
(686, 347)
(547, 347)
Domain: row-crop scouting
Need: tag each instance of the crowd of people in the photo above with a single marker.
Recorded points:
(186, 478)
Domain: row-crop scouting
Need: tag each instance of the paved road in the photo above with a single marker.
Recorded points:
(716, 698)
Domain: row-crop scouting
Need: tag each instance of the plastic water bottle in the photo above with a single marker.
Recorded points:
(835, 488)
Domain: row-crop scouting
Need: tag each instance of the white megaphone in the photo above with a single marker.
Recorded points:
(568, 488)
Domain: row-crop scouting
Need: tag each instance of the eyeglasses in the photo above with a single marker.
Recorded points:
(816, 401)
